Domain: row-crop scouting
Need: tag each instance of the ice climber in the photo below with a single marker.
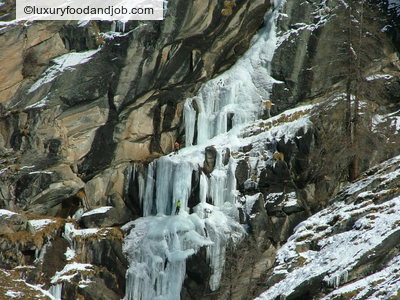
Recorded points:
(178, 207)
(267, 107)
(177, 146)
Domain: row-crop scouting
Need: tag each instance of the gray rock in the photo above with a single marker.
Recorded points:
(210, 157)
(110, 216)
(242, 173)
(12, 222)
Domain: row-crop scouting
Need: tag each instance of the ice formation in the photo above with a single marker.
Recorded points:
(235, 97)
(158, 244)
(56, 290)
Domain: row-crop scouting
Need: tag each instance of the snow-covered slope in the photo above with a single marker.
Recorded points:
(348, 250)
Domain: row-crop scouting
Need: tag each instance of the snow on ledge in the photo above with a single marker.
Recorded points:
(65, 274)
(40, 224)
(100, 210)
(5, 212)
(63, 63)
(379, 76)
(70, 232)
(13, 294)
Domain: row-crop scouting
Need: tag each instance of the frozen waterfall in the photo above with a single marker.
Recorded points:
(237, 95)
(158, 244)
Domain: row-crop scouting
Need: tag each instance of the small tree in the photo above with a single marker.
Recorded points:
(354, 35)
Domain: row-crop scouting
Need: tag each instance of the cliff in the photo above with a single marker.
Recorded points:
(292, 199)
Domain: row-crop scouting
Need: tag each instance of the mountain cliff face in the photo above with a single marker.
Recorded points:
(89, 182)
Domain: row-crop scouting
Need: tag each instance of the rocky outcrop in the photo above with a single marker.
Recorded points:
(54, 252)
(311, 43)
(341, 250)
(210, 158)
(12, 222)
(105, 217)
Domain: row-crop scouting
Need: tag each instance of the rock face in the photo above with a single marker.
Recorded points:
(312, 43)
(96, 109)
(86, 107)
(105, 217)
(12, 222)
(344, 251)
(210, 157)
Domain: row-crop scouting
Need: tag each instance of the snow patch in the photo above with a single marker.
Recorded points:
(70, 271)
(26, 167)
(7, 213)
(41, 103)
(70, 254)
(40, 172)
(13, 294)
(40, 224)
(340, 251)
(100, 210)
(379, 76)
(63, 63)
(85, 283)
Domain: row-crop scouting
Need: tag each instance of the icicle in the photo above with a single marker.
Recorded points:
(190, 122)
(335, 280)
(218, 187)
(56, 291)
(141, 184)
(216, 255)
(182, 183)
(171, 182)
(202, 123)
(128, 179)
(203, 188)
(147, 202)
(118, 26)
(164, 185)
(231, 181)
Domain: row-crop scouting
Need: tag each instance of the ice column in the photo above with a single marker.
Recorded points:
(167, 181)
(56, 290)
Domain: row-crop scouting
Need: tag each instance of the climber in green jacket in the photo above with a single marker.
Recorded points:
(178, 207)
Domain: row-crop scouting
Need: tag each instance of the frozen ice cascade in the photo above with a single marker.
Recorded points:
(236, 96)
(158, 244)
